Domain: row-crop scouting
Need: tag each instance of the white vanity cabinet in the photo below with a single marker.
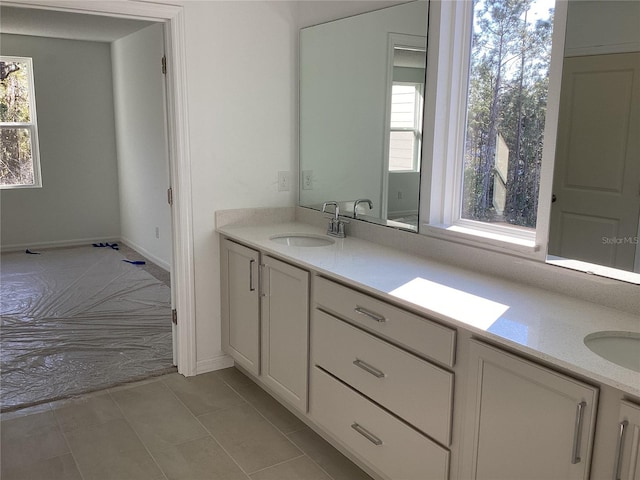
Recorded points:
(627, 465)
(265, 319)
(525, 421)
(377, 397)
(409, 397)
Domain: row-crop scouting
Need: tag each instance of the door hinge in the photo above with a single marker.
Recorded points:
(164, 64)
(174, 316)
(170, 196)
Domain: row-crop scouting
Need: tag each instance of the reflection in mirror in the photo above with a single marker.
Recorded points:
(406, 89)
(596, 205)
(361, 102)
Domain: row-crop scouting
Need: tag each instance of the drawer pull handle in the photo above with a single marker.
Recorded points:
(619, 450)
(367, 313)
(366, 434)
(368, 368)
(575, 456)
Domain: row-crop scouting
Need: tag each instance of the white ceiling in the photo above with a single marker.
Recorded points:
(73, 26)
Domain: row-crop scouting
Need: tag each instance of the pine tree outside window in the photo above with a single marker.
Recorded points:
(508, 82)
(19, 154)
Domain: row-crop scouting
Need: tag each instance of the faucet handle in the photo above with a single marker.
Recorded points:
(332, 227)
(339, 228)
(325, 204)
(359, 201)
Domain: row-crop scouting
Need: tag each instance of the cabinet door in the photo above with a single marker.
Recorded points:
(285, 331)
(524, 421)
(241, 305)
(628, 452)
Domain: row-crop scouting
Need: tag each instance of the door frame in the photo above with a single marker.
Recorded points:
(182, 263)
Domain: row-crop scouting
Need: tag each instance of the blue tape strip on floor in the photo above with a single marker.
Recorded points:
(105, 245)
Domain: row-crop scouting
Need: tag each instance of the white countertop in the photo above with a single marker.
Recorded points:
(542, 324)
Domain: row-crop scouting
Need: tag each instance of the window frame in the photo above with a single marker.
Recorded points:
(450, 33)
(31, 126)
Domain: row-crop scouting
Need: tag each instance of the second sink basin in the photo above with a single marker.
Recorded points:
(302, 240)
(621, 348)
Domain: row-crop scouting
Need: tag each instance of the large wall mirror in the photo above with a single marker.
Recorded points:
(361, 110)
(596, 204)
(353, 70)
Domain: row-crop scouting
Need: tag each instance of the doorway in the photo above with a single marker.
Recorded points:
(181, 262)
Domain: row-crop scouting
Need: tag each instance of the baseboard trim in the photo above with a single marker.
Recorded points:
(212, 364)
(145, 253)
(57, 244)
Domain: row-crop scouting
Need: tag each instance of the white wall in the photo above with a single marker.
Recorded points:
(78, 201)
(602, 26)
(313, 12)
(407, 186)
(242, 128)
(143, 164)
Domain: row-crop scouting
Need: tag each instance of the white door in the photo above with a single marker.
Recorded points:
(628, 450)
(594, 217)
(524, 421)
(241, 305)
(285, 330)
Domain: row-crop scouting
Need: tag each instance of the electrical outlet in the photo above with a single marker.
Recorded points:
(157, 232)
(399, 195)
(307, 179)
(284, 181)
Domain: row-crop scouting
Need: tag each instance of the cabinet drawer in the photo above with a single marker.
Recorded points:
(410, 387)
(381, 440)
(423, 336)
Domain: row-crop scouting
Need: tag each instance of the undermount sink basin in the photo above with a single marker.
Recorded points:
(621, 348)
(302, 240)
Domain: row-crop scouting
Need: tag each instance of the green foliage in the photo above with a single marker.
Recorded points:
(16, 161)
(507, 97)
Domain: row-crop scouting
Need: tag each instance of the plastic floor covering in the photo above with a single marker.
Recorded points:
(78, 319)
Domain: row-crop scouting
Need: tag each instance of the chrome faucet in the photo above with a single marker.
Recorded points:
(361, 200)
(336, 226)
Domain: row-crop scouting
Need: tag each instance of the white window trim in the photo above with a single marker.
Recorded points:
(443, 142)
(32, 126)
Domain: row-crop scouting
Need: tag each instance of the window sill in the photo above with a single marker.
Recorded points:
(483, 239)
(594, 269)
(17, 187)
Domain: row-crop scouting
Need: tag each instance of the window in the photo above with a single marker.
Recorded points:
(507, 100)
(19, 159)
(405, 131)
(493, 137)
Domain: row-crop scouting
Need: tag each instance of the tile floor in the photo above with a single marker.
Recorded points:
(216, 426)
